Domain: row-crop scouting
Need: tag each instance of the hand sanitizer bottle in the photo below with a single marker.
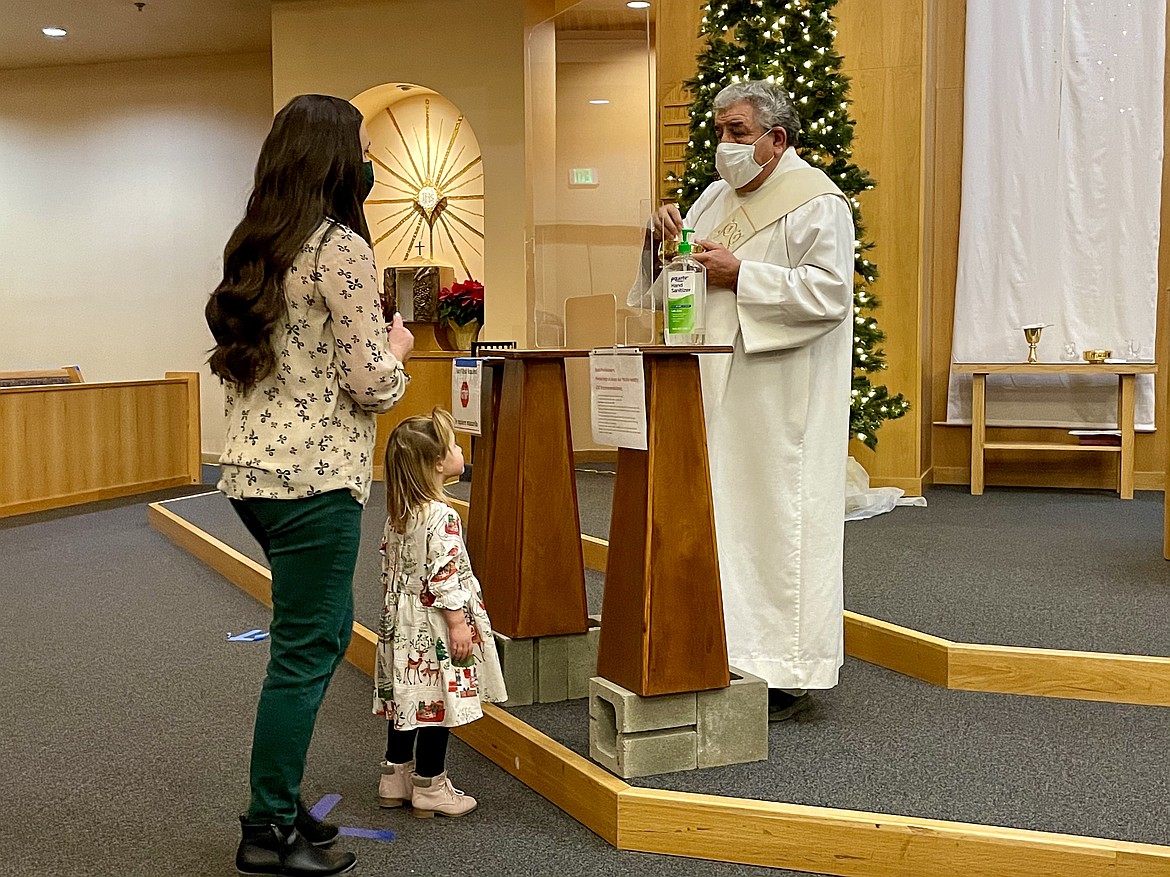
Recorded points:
(685, 297)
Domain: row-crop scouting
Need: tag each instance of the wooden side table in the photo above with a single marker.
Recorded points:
(1126, 373)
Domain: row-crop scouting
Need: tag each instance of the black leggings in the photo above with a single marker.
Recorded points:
(427, 746)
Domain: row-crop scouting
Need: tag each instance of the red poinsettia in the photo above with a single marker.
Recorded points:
(461, 303)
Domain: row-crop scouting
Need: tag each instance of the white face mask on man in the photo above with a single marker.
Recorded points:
(736, 162)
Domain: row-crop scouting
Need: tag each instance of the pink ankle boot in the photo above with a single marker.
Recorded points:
(436, 795)
(394, 788)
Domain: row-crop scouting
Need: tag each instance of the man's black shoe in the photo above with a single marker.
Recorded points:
(782, 706)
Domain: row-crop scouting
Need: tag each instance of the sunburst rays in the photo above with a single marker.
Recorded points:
(438, 190)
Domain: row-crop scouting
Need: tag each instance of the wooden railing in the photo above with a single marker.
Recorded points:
(72, 443)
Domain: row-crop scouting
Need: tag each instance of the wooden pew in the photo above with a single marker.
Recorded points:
(67, 443)
(69, 374)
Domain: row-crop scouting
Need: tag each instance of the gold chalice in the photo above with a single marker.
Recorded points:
(668, 250)
(1032, 336)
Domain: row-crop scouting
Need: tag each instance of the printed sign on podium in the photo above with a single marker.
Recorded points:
(466, 383)
(618, 391)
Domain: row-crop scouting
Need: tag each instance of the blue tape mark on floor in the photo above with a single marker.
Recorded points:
(369, 833)
(322, 809)
(254, 635)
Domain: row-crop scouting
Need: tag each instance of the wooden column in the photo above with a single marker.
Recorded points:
(1125, 415)
(978, 430)
(194, 422)
(533, 576)
(662, 621)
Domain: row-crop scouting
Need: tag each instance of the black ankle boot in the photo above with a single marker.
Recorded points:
(316, 832)
(282, 851)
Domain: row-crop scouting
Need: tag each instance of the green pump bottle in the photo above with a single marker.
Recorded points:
(684, 297)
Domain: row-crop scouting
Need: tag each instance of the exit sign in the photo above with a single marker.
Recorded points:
(583, 176)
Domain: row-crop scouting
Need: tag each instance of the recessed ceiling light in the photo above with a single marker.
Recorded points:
(55, 32)
(598, 102)
(639, 4)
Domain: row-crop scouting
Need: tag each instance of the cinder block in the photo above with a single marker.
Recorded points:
(517, 662)
(582, 659)
(551, 669)
(732, 723)
(633, 714)
(643, 754)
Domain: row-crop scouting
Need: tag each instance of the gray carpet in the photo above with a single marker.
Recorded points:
(209, 477)
(1068, 569)
(214, 515)
(1058, 569)
(128, 724)
(885, 743)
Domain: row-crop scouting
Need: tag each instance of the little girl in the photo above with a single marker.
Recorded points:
(436, 656)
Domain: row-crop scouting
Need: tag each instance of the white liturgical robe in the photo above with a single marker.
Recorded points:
(777, 413)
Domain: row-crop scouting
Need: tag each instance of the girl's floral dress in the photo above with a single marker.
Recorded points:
(424, 570)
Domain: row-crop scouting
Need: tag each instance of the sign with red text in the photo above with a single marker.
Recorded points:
(466, 381)
(618, 397)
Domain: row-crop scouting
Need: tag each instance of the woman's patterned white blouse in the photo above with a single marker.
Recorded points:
(309, 426)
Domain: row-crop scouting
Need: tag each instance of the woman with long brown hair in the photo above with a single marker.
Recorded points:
(307, 362)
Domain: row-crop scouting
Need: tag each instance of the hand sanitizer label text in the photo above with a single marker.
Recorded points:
(680, 302)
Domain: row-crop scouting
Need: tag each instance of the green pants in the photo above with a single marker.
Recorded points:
(312, 546)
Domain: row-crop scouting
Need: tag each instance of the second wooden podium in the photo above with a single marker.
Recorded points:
(524, 535)
(662, 621)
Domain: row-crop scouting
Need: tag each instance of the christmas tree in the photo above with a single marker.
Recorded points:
(791, 42)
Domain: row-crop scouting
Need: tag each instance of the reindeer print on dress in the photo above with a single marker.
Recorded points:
(425, 571)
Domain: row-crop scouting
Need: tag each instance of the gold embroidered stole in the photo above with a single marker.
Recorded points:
(793, 189)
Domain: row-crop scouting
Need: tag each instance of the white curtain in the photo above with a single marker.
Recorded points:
(1062, 176)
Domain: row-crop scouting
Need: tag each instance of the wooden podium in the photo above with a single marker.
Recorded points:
(662, 621)
(524, 533)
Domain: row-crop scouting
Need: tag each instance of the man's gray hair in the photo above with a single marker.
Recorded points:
(773, 106)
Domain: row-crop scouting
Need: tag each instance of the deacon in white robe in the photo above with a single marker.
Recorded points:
(777, 408)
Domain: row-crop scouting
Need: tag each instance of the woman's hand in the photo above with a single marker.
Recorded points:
(400, 339)
(458, 635)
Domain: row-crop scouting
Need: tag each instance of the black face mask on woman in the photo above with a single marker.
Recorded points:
(367, 183)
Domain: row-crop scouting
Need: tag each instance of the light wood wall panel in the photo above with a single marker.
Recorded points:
(883, 46)
(677, 43)
(73, 443)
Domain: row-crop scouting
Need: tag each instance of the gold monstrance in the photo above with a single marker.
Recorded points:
(439, 186)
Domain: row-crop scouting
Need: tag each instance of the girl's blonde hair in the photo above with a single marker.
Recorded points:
(415, 447)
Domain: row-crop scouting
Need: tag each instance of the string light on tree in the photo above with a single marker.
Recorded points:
(793, 43)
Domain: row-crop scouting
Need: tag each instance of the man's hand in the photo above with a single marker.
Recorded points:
(722, 266)
(668, 222)
(400, 339)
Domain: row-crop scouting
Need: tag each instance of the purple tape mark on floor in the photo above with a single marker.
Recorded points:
(370, 833)
(322, 809)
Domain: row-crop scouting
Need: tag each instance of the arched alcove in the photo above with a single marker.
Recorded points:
(428, 193)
